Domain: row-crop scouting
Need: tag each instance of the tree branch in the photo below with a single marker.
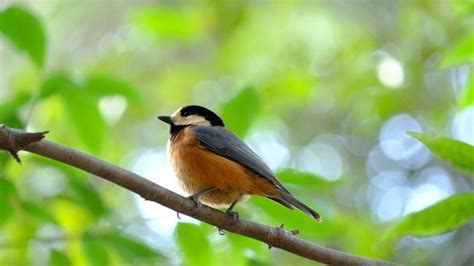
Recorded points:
(14, 140)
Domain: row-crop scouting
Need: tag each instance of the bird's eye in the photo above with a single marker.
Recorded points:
(185, 113)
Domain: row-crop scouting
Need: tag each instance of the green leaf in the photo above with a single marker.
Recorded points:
(194, 245)
(87, 196)
(132, 251)
(461, 53)
(37, 211)
(81, 109)
(107, 85)
(95, 250)
(10, 108)
(84, 116)
(169, 22)
(457, 153)
(58, 258)
(467, 96)
(241, 111)
(25, 31)
(294, 177)
(240, 247)
(7, 194)
(56, 84)
(444, 216)
(4, 157)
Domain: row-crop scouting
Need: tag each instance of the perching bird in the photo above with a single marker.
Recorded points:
(216, 167)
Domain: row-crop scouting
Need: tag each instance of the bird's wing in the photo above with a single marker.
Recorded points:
(226, 144)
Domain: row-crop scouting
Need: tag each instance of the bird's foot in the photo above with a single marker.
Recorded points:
(235, 215)
(195, 198)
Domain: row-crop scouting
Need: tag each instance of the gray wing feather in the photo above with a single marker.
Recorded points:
(226, 144)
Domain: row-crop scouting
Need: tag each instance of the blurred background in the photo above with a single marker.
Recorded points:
(324, 91)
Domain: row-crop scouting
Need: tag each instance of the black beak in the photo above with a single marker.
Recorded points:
(166, 119)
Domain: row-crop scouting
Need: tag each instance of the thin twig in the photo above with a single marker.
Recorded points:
(13, 140)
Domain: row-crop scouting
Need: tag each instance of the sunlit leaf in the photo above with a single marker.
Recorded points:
(239, 113)
(25, 31)
(7, 194)
(467, 95)
(169, 22)
(71, 217)
(194, 245)
(132, 250)
(58, 258)
(459, 154)
(95, 250)
(461, 53)
(38, 211)
(445, 216)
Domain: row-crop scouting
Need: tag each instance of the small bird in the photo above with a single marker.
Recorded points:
(216, 167)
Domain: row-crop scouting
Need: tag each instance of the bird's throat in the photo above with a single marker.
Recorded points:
(175, 130)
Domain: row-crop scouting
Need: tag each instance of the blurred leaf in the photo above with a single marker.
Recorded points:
(39, 212)
(275, 213)
(467, 96)
(245, 249)
(95, 250)
(81, 109)
(86, 195)
(462, 8)
(239, 113)
(82, 193)
(440, 218)
(131, 250)
(11, 107)
(4, 157)
(7, 194)
(169, 22)
(55, 84)
(461, 53)
(459, 154)
(84, 116)
(72, 217)
(25, 31)
(107, 85)
(194, 245)
(58, 258)
(294, 177)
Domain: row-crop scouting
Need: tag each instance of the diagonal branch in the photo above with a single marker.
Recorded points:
(14, 140)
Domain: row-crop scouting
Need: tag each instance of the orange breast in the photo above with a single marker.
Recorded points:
(198, 169)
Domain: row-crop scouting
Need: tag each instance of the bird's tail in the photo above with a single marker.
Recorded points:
(287, 197)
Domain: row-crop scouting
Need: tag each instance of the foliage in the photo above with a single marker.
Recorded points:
(25, 31)
(440, 218)
(309, 85)
(458, 153)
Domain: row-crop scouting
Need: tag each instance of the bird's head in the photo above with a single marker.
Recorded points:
(192, 115)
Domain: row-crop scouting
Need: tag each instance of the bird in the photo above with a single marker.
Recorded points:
(215, 167)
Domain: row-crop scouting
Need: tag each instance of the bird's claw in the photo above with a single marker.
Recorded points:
(195, 199)
(235, 215)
